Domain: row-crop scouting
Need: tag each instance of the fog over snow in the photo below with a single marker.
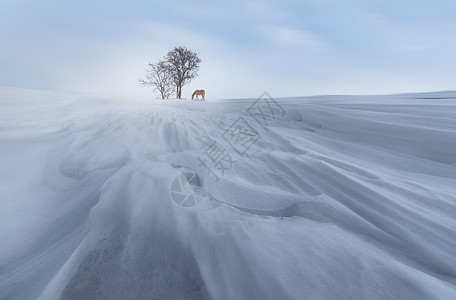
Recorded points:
(333, 198)
(264, 190)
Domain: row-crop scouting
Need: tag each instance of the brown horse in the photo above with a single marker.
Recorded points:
(197, 93)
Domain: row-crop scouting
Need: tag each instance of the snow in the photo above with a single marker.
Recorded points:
(342, 197)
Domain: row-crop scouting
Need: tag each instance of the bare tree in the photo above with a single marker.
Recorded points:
(183, 65)
(159, 77)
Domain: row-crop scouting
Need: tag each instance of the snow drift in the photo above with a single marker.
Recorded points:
(337, 198)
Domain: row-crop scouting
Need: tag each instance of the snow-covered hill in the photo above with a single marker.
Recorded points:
(299, 198)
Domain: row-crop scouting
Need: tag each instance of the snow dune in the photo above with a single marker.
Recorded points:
(341, 197)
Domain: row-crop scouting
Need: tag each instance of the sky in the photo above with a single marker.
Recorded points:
(287, 48)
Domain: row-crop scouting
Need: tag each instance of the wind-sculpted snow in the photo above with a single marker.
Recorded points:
(338, 198)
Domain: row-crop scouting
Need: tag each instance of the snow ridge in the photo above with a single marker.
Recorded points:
(340, 198)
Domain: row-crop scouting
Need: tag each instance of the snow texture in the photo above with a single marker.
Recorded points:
(339, 197)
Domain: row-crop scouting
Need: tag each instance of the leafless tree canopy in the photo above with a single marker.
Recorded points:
(183, 65)
(177, 69)
(159, 77)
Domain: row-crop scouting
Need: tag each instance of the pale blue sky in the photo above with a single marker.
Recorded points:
(288, 48)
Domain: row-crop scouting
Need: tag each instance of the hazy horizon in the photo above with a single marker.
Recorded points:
(288, 48)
